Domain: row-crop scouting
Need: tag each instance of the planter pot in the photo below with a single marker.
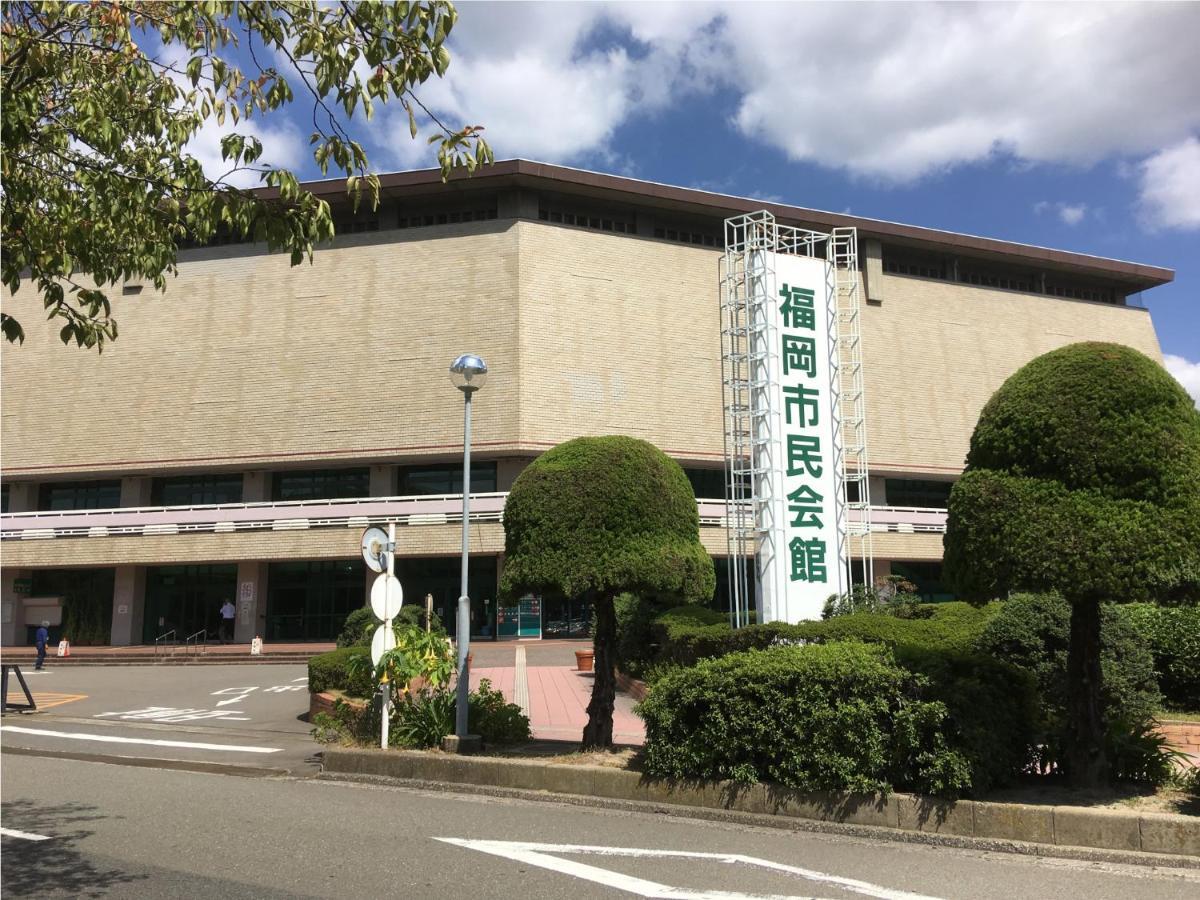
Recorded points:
(584, 660)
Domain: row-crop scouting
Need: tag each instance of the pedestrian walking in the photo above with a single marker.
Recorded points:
(227, 614)
(42, 636)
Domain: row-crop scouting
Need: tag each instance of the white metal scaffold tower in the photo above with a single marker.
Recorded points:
(753, 431)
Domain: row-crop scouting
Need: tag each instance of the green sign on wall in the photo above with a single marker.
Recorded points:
(22, 585)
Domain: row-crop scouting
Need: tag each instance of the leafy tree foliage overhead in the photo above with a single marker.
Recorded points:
(101, 100)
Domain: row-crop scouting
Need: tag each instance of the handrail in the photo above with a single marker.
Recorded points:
(162, 637)
(251, 505)
(198, 642)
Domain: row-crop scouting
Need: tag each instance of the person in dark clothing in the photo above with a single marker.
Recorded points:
(43, 635)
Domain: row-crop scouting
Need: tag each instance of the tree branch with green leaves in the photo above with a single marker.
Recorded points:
(102, 100)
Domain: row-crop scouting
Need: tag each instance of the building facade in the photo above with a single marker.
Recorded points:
(249, 422)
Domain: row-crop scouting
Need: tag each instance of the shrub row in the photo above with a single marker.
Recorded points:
(989, 707)
(688, 634)
(1033, 631)
(1173, 636)
(832, 717)
(332, 671)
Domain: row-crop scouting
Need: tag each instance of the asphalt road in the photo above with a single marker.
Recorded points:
(118, 831)
(225, 715)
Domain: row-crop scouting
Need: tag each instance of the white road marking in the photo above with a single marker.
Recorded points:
(23, 835)
(539, 855)
(242, 693)
(283, 689)
(113, 739)
(304, 679)
(175, 715)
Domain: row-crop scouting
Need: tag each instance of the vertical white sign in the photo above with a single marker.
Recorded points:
(798, 560)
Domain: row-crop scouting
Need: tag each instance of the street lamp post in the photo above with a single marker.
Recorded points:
(467, 373)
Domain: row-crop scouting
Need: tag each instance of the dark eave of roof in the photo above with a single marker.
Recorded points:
(522, 173)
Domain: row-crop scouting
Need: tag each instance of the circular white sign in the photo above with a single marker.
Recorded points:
(385, 601)
(383, 641)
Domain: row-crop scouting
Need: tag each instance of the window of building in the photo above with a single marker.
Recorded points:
(320, 484)
(709, 484)
(620, 222)
(927, 576)
(446, 479)
(87, 597)
(697, 235)
(309, 600)
(65, 495)
(196, 490)
(914, 263)
(186, 599)
(468, 209)
(4, 492)
(918, 493)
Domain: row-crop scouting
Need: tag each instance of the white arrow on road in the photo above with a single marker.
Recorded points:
(242, 693)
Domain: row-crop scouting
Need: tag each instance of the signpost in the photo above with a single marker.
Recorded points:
(387, 596)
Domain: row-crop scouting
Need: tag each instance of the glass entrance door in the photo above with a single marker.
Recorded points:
(186, 599)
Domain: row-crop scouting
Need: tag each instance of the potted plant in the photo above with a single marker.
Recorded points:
(584, 659)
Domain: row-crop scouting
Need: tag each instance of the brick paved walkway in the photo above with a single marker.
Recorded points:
(555, 698)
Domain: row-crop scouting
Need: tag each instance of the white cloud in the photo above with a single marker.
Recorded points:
(1069, 213)
(1186, 373)
(890, 91)
(1170, 187)
(1072, 213)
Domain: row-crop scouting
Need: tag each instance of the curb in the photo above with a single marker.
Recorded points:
(1146, 838)
(152, 762)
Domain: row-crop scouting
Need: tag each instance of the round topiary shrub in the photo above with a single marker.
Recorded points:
(1083, 477)
(840, 717)
(596, 517)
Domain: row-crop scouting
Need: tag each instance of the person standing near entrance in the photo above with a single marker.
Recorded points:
(42, 636)
(227, 614)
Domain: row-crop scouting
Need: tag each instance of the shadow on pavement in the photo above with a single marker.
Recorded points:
(38, 868)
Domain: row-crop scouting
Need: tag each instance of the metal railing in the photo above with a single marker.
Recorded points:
(353, 512)
(161, 641)
(196, 644)
(361, 512)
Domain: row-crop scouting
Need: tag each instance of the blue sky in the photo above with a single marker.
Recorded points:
(1074, 126)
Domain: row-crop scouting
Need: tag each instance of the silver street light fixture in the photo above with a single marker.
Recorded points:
(467, 373)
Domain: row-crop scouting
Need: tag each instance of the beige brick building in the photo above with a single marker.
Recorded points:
(251, 420)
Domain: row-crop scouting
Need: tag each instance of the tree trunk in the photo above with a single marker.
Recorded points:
(597, 734)
(1086, 763)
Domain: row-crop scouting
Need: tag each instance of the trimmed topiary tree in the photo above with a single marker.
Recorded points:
(1083, 477)
(593, 518)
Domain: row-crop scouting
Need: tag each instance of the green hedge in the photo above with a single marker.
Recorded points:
(328, 671)
(1173, 636)
(685, 635)
(833, 717)
(991, 706)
